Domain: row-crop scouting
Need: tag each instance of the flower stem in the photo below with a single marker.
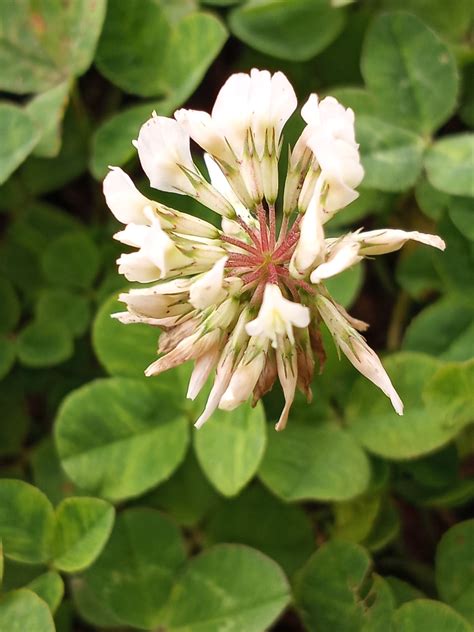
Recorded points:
(290, 240)
(249, 232)
(305, 286)
(239, 244)
(283, 229)
(262, 220)
(272, 219)
(242, 260)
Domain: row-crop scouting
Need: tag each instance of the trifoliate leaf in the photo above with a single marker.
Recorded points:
(454, 568)
(235, 521)
(50, 588)
(26, 522)
(22, 610)
(143, 30)
(19, 136)
(230, 447)
(42, 44)
(411, 72)
(426, 615)
(136, 590)
(44, 343)
(423, 427)
(113, 421)
(449, 164)
(231, 587)
(390, 155)
(336, 587)
(314, 461)
(47, 111)
(297, 30)
(83, 526)
(71, 260)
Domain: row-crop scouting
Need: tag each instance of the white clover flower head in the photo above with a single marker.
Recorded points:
(245, 301)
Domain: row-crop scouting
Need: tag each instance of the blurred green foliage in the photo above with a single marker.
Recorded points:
(114, 512)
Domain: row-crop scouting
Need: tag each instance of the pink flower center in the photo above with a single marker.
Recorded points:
(267, 259)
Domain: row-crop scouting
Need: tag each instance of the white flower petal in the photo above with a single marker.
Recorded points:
(339, 260)
(283, 103)
(310, 110)
(328, 116)
(221, 184)
(330, 135)
(202, 369)
(163, 252)
(128, 318)
(368, 363)
(277, 316)
(231, 355)
(380, 242)
(205, 132)
(163, 148)
(154, 305)
(123, 198)
(157, 257)
(208, 290)
(357, 350)
(231, 111)
(243, 382)
(338, 196)
(188, 349)
(311, 245)
(137, 267)
(339, 161)
(260, 92)
(337, 120)
(223, 375)
(175, 286)
(288, 376)
(133, 235)
(272, 101)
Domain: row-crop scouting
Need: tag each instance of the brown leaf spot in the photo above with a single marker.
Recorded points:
(38, 23)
